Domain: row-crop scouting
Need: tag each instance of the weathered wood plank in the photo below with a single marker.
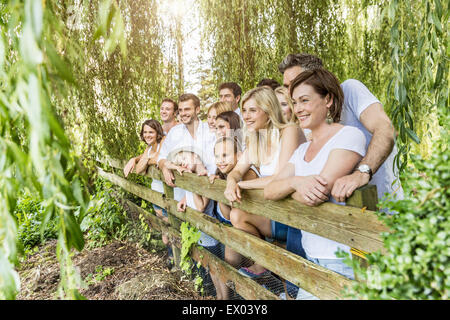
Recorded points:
(348, 225)
(142, 192)
(355, 227)
(245, 287)
(321, 282)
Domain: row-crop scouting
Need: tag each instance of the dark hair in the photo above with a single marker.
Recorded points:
(324, 83)
(268, 82)
(304, 60)
(233, 86)
(235, 124)
(154, 125)
(234, 141)
(190, 96)
(175, 105)
(232, 118)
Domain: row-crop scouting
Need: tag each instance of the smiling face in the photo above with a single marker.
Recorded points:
(188, 112)
(226, 94)
(149, 134)
(222, 128)
(310, 107)
(226, 158)
(285, 108)
(211, 119)
(254, 117)
(167, 111)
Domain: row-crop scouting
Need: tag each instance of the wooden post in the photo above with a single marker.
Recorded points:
(174, 222)
(366, 199)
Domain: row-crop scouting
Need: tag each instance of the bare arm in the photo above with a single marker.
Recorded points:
(232, 191)
(142, 163)
(286, 183)
(379, 125)
(340, 162)
(131, 165)
(291, 138)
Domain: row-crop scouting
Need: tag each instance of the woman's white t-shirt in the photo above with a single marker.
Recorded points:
(347, 138)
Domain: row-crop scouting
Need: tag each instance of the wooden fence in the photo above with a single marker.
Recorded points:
(355, 225)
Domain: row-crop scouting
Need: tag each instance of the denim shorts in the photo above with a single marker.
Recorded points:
(223, 220)
(279, 230)
(336, 265)
(164, 212)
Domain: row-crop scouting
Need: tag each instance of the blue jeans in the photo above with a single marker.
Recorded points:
(294, 245)
(336, 265)
(279, 230)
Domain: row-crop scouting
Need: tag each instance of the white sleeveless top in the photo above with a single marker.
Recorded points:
(266, 170)
(156, 185)
(347, 138)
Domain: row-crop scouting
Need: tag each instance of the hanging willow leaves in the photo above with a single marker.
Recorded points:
(36, 154)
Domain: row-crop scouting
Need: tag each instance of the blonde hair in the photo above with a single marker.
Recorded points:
(259, 143)
(285, 92)
(220, 106)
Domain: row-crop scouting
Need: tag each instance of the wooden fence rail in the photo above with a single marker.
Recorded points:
(356, 226)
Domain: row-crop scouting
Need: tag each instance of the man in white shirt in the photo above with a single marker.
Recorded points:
(231, 92)
(168, 112)
(191, 132)
(363, 110)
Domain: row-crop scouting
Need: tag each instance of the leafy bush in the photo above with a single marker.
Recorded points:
(107, 220)
(29, 214)
(416, 265)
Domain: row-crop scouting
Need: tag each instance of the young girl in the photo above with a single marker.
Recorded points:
(228, 124)
(226, 152)
(270, 142)
(189, 160)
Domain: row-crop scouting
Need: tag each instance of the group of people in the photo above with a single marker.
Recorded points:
(312, 138)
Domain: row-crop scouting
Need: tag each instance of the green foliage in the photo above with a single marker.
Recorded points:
(418, 249)
(35, 153)
(189, 237)
(418, 88)
(100, 274)
(29, 214)
(121, 74)
(105, 219)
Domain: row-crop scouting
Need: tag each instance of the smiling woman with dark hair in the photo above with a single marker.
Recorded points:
(152, 134)
(314, 167)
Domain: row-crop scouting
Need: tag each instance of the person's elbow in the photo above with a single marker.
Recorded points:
(270, 193)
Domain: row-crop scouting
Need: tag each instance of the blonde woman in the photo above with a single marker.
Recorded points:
(270, 142)
(285, 100)
(214, 110)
